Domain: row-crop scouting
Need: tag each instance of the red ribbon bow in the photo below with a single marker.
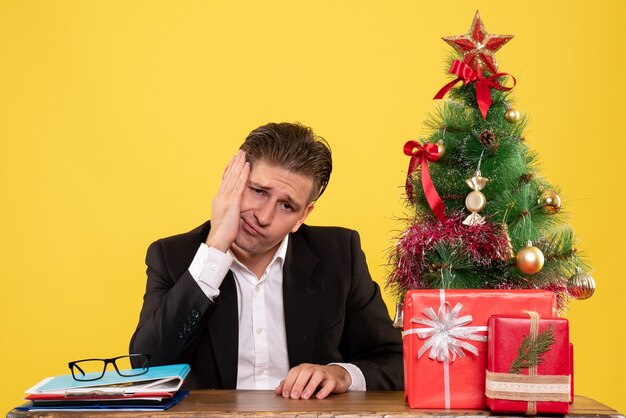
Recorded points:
(483, 95)
(421, 154)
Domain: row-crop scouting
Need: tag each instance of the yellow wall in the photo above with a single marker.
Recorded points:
(117, 118)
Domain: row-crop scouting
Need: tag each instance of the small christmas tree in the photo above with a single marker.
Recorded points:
(483, 215)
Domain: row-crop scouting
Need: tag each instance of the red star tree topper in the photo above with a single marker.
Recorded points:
(478, 47)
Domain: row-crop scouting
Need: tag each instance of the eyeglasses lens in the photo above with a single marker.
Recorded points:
(138, 366)
(88, 369)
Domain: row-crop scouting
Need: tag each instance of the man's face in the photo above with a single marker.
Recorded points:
(274, 203)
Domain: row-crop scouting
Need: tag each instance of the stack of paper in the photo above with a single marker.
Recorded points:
(158, 389)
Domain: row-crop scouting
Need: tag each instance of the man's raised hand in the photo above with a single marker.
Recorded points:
(226, 203)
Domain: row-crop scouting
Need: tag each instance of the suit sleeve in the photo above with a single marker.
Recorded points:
(369, 341)
(174, 309)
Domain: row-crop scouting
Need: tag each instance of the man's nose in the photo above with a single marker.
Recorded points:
(264, 213)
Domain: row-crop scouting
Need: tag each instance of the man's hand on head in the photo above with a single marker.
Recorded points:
(227, 202)
(303, 380)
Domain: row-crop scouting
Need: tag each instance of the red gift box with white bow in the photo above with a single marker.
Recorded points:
(529, 366)
(445, 342)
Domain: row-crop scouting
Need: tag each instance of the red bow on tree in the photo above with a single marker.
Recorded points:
(483, 95)
(421, 154)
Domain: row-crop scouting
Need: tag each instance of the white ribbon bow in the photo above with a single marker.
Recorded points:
(445, 333)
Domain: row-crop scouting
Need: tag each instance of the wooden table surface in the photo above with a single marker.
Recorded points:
(229, 403)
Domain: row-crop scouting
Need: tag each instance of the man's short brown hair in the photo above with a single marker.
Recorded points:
(294, 147)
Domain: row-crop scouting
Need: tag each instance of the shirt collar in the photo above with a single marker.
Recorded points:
(279, 255)
(281, 252)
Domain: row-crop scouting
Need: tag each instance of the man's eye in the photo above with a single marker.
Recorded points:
(257, 191)
(286, 206)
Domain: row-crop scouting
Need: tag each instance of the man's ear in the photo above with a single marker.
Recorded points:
(305, 213)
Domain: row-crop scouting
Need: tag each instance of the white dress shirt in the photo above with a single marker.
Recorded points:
(262, 357)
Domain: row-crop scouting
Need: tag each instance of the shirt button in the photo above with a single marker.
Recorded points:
(257, 289)
(213, 267)
(260, 371)
(259, 330)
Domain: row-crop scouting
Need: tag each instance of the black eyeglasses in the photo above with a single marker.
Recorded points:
(94, 368)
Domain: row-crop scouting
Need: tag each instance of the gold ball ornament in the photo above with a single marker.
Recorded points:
(550, 201)
(529, 260)
(581, 285)
(512, 115)
(475, 201)
(441, 148)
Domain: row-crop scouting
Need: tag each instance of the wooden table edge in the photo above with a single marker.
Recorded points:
(241, 403)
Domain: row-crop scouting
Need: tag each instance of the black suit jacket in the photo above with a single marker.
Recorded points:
(334, 312)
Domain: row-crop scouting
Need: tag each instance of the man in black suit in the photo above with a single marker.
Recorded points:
(255, 299)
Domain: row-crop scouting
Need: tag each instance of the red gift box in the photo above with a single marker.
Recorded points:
(445, 349)
(545, 388)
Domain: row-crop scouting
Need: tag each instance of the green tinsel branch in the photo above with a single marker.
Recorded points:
(531, 350)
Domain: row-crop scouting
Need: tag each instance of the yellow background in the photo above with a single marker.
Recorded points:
(118, 117)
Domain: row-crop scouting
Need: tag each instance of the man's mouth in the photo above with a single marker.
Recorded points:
(250, 229)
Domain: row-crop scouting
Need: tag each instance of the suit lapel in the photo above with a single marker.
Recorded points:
(301, 300)
(224, 331)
